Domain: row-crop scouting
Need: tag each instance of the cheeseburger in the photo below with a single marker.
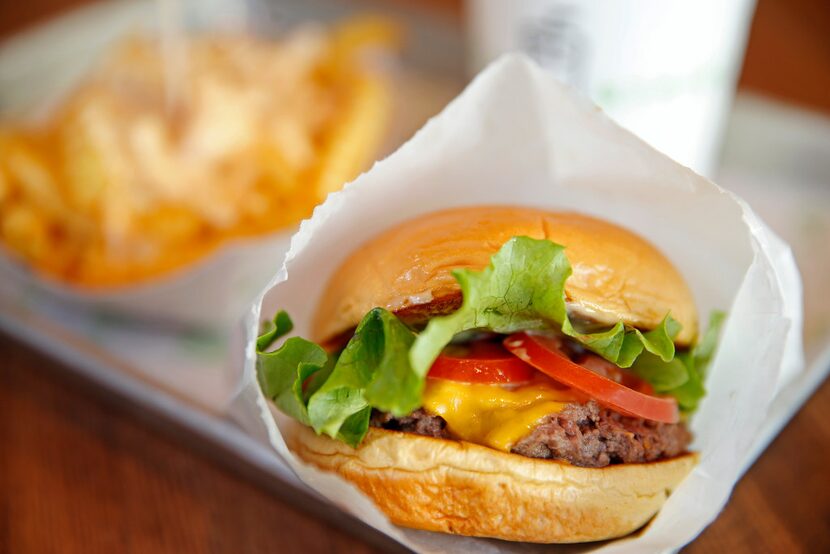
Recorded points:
(499, 372)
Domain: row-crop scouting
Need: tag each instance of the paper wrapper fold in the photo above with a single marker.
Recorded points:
(516, 136)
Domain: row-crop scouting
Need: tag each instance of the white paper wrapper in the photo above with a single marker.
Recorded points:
(516, 136)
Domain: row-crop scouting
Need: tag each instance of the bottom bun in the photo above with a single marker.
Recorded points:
(467, 489)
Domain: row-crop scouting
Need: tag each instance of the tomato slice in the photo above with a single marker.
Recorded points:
(609, 370)
(543, 353)
(481, 362)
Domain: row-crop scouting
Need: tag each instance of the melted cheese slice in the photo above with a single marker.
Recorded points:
(492, 415)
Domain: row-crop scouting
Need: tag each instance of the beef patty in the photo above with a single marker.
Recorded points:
(584, 435)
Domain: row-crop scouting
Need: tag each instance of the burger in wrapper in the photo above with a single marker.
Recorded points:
(501, 372)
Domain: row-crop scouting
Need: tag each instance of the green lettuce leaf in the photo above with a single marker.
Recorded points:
(662, 376)
(372, 371)
(704, 350)
(281, 373)
(683, 376)
(280, 326)
(697, 363)
(523, 289)
(384, 365)
(690, 393)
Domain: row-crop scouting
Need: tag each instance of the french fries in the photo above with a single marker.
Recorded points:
(121, 184)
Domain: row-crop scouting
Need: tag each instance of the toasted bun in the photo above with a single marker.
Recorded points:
(617, 276)
(467, 489)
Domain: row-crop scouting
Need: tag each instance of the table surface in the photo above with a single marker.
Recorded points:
(80, 472)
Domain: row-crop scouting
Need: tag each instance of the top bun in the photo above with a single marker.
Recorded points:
(617, 276)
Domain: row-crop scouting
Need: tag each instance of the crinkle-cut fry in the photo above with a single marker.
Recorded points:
(35, 180)
(80, 200)
(5, 179)
(84, 170)
(356, 136)
(367, 31)
(98, 266)
(25, 230)
(5, 186)
(171, 226)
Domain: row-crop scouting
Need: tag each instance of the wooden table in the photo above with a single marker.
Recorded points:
(82, 472)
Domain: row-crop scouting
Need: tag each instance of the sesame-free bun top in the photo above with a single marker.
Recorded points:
(617, 275)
